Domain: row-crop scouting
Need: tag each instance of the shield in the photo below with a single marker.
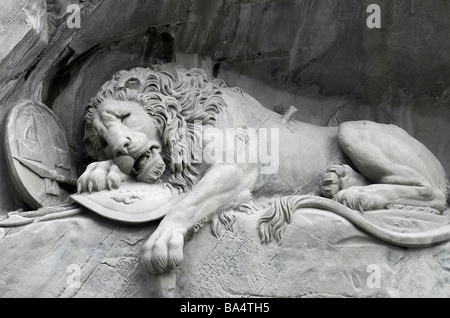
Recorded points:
(32, 134)
(133, 202)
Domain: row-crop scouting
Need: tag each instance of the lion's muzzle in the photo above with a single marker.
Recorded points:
(149, 167)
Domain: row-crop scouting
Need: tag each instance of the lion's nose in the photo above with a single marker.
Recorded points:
(121, 149)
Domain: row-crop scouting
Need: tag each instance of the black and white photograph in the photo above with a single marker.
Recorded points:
(225, 153)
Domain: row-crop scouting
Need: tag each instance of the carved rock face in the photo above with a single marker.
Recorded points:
(24, 34)
(318, 56)
(321, 256)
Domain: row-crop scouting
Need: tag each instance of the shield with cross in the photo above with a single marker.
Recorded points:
(33, 133)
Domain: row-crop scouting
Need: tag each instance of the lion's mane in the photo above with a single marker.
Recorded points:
(180, 100)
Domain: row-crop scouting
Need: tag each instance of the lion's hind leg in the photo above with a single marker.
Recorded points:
(402, 171)
(384, 196)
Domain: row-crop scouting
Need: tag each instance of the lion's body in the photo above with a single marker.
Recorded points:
(383, 154)
(299, 143)
(393, 168)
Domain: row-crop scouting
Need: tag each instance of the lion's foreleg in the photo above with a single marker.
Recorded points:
(214, 193)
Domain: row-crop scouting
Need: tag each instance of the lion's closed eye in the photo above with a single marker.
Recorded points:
(123, 118)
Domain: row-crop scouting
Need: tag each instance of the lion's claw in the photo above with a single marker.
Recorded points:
(100, 176)
(90, 186)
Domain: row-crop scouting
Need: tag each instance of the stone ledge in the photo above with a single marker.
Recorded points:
(322, 255)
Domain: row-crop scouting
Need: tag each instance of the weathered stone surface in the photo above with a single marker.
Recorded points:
(321, 255)
(23, 30)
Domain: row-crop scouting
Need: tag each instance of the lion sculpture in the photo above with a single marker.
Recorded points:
(151, 123)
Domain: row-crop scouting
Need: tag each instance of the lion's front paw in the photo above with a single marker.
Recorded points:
(99, 176)
(362, 199)
(163, 251)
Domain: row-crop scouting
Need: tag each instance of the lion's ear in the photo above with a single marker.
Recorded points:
(133, 83)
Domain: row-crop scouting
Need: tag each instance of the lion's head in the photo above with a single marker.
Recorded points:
(147, 118)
